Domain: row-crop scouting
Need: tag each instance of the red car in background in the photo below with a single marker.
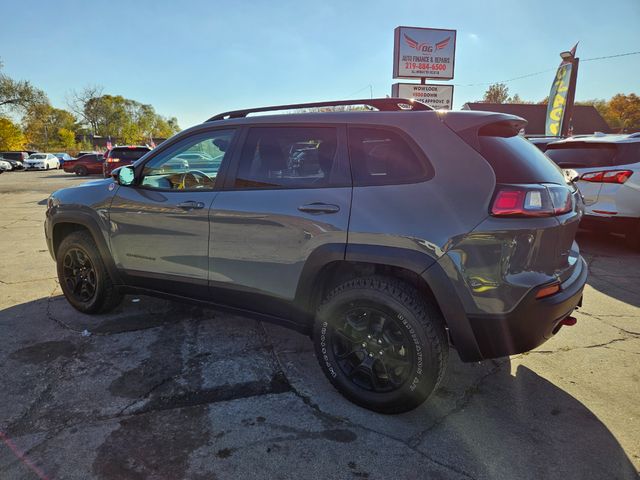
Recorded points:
(85, 164)
(121, 156)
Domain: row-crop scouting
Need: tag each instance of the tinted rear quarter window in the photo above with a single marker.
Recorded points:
(516, 160)
(628, 153)
(380, 156)
(583, 155)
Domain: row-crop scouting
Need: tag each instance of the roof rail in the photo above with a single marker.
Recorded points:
(382, 104)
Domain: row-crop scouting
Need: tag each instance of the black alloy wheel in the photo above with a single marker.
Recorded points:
(79, 275)
(84, 279)
(372, 349)
(381, 343)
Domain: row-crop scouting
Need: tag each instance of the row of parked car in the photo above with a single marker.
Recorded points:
(98, 163)
(86, 163)
(27, 160)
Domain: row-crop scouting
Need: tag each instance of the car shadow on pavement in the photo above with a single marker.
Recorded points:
(73, 176)
(614, 267)
(166, 390)
(492, 419)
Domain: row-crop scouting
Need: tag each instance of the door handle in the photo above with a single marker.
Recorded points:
(191, 205)
(318, 208)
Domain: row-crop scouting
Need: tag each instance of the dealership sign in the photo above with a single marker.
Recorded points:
(424, 53)
(436, 96)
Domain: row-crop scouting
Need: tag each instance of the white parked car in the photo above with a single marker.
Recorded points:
(609, 179)
(42, 161)
(5, 166)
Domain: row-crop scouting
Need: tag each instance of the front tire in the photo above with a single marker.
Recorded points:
(84, 279)
(381, 343)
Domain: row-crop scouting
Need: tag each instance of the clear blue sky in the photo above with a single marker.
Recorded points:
(194, 58)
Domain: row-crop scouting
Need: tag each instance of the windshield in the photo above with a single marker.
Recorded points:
(37, 156)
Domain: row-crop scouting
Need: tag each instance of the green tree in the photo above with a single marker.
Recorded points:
(86, 107)
(165, 127)
(496, 93)
(11, 137)
(623, 112)
(122, 119)
(67, 138)
(18, 96)
(49, 128)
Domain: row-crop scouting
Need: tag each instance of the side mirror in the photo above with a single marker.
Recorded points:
(571, 175)
(125, 176)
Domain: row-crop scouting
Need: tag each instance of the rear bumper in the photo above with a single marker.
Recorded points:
(532, 322)
(611, 224)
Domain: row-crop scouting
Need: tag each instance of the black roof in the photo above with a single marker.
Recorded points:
(586, 118)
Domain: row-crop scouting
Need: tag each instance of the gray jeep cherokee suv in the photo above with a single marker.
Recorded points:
(386, 235)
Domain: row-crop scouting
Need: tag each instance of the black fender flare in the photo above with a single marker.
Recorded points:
(452, 308)
(87, 220)
(421, 264)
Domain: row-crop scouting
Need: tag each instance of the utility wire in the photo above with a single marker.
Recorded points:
(609, 56)
(542, 71)
(482, 84)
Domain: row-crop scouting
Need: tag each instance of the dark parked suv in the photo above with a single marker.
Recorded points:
(386, 235)
(120, 156)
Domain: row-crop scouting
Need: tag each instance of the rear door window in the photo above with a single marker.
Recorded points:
(289, 157)
(380, 156)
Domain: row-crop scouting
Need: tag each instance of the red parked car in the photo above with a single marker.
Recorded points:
(84, 165)
(121, 156)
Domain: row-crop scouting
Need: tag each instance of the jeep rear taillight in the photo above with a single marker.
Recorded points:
(531, 201)
(113, 160)
(607, 176)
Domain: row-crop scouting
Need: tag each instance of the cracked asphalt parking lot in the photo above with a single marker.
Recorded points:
(163, 390)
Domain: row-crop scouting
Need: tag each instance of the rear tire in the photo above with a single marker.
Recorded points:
(81, 171)
(84, 279)
(381, 343)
